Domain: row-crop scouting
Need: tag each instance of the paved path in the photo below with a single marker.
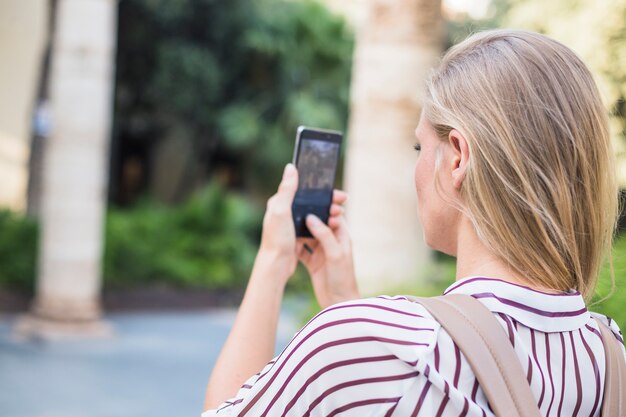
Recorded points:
(157, 365)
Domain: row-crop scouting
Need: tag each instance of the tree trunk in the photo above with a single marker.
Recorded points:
(73, 201)
(397, 45)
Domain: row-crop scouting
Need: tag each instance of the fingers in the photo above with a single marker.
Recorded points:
(324, 235)
(288, 185)
(339, 196)
(334, 222)
(336, 210)
(279, 205)
(340, 227)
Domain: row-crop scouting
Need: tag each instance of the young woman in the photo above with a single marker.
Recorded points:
(515, 178)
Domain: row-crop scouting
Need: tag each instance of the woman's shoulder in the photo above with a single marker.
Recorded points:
(394, 309)
(384, 319)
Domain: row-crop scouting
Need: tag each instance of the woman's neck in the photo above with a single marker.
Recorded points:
(473, 258)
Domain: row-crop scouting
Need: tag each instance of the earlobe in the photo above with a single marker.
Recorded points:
(460, 161)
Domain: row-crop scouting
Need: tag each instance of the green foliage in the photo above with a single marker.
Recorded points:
(234, 78)
(18, 251)
(608, 300)
(207, 242)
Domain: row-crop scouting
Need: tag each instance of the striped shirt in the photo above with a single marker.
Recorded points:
(386, 356)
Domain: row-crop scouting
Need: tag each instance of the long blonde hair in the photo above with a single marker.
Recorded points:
(540, 188)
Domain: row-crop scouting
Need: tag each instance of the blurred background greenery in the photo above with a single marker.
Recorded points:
(227, 83)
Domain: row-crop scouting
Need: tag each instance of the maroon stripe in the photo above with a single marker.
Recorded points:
(594, 331)
(474, 393)
(396, 298)
(457, 369)
(529, 308)
(363, 402)
(393, 310)
(509, 327)
(549, 372)
(529, 374)
(422, 396)
(543, 382)
(362, 381)
(596, 373)
(229, 404)
(309, 356)
(618, 338)
(445, 400)
(510, 283)
(442, 406)
(420, 401)
(465, 408)
(392, 409)
(563, 362)
(475, 390)
(437, 357)
(579, 388)
(384, 323)
(330, 367)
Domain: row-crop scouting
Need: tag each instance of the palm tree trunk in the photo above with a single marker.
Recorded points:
(397, 45)
(75, 171)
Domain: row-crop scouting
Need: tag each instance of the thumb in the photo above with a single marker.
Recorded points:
(289, 184)
(324, 235)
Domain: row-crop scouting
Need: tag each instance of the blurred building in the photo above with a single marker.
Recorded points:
(23, 35)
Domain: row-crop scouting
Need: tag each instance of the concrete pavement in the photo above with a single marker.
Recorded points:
(156, 365)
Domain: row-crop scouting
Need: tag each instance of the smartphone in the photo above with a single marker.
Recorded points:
(316, 156)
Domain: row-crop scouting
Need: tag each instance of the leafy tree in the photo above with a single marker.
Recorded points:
(232, 78)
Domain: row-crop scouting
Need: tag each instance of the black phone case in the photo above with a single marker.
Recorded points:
(300, 211)
(299, 217)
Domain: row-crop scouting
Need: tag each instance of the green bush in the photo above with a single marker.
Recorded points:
(18, 251)
(209, 241)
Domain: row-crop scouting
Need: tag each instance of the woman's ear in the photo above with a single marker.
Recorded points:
(460, 157)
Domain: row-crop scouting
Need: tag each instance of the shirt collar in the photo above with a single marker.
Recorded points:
(535, 309)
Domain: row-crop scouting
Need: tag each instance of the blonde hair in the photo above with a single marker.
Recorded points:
(540, 187)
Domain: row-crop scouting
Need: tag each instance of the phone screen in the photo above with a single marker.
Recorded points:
(317, 155)
(317, 163)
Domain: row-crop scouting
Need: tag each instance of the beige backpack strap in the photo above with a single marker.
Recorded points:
(486, 347)
(614, 403)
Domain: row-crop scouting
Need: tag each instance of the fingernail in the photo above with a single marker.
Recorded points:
(313, 219)
(289, 170)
